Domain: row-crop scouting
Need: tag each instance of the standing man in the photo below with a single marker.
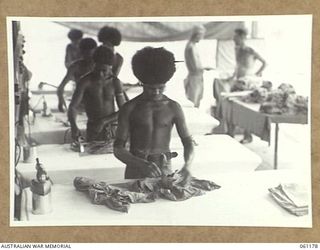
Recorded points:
(147, 120)
(78, 68)
(97, 90)
(193, 84)
(72, 50)
(246, 59)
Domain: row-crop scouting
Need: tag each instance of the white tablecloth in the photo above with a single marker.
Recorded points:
(214, 154)
(242, 200)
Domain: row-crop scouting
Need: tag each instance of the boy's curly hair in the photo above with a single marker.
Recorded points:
(103, 55)
(153, 65)
(87, 44)
(75, 34)
(109, 34)
(241, 32)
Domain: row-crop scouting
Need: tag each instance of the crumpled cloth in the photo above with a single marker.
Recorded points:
(119, 196)
(93, 147)
(292, 197)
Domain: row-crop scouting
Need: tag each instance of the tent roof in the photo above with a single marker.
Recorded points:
(159, 31)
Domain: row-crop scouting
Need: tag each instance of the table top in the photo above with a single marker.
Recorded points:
(216, 153)
(242, 200)
(51, 130)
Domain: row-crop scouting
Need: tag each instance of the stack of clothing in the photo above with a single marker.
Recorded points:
(259, 94)
(119, 196)
(92, 148)
(282, 100)
(292, 197)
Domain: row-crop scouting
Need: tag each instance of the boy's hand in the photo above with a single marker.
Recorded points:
(150, 169)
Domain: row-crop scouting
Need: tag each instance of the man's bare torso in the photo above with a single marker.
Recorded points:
(98, 97)
(245, 58)
(80, 68)
(151, 123)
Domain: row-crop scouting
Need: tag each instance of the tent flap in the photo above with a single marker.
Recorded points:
(159, 31)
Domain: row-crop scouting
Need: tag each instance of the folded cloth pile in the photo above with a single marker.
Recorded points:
(245, 83)
(98, 147)
(119, 196)
(258, 94)
(284, 101)
(93, 148)
(292, 197)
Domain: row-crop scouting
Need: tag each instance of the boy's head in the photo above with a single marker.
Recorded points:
(87, 46)
(153, 65)
(103, 55)
(109, 35)
(240, 36)
(103, 58)
(75, 35)
(198, 33)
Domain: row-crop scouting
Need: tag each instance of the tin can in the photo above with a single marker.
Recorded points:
(41, 204)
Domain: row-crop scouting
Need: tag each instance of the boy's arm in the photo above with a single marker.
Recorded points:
(263, 62)
(120, 99)
(119, 61)
(72, 111)
(68, 77)
(68, 59)
(186, 138)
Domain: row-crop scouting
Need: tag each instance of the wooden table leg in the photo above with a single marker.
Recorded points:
(276, 147)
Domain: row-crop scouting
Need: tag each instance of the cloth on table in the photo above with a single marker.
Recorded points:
(119, 196)
(254, 121)
(279, 102)
(232, 85)
(98, 147)
(230, 111)
(282, 100)
(95, 133)
(219, 86)
(97, 143)
(292, 197)
(245, 83)
(93, 148)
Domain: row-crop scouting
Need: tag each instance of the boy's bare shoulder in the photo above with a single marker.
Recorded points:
(131, 104)
(86, 79)
(175, 105)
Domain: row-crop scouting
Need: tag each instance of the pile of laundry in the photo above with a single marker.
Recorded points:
(259, 94)
(119, 196)
(292, 197)
(92, 148)
(282, 100)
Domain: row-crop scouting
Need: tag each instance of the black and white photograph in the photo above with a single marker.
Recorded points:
(160, 121)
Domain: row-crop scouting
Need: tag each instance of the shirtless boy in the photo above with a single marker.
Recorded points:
(78, 68)
(148, 119)
(97, 90)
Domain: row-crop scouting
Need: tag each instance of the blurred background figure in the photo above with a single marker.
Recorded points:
(246, 56)
(78, 68)
(194, 82)
(98, 90)
(72, 50)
